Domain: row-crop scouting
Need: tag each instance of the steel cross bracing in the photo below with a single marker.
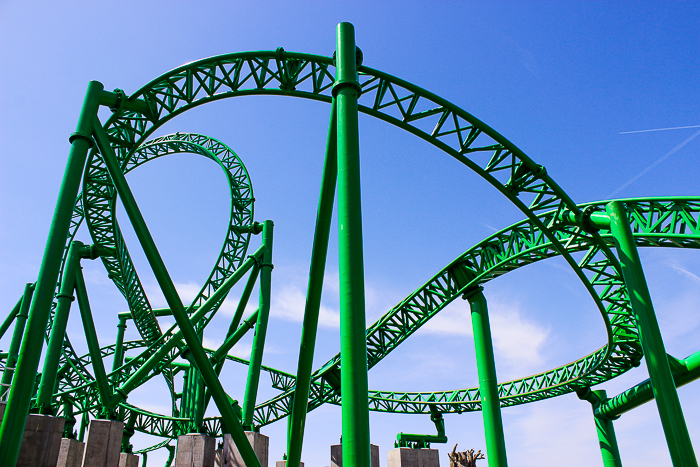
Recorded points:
(657, 222)
(669, 222)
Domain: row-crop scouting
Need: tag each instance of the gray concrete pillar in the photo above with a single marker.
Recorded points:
(284, 464)
(407, 457)
(337, 455)
(259, 442)
(128, 460)
(195, 450)
(71, 453)
(219, 458)
(41, 441)
(103, 443)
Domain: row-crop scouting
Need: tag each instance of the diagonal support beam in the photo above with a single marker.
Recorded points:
(196, 353)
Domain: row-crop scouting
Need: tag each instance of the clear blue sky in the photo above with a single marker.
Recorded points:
(561, 80)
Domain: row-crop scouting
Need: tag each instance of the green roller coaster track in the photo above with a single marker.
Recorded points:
(554, 226)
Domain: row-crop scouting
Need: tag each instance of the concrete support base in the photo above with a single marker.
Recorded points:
(284, 464)
(219, 458)
(128, 460)
(103, 443)
(259, 442)
(337, 455)
(407, 457)
(71, 453)
(41, 442)
(195, 450)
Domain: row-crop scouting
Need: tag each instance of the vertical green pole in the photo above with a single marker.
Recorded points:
(93, 344)
(353, 345)
(669, 406)
(58, 331)
(10, 318)
(17, 334)
(196, 353)
(84, 420)
(23, 387)
(488, 384)
(251, 388)
(119, 347)
(319, 252)
(604, 428)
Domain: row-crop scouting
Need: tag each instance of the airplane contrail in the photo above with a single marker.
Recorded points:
(657, 162)
(659, 129)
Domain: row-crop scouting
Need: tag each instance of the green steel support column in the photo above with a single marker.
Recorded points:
(488, 384)
(13, 352)
(58, 330)
(319, 252)
(196, 353)
(669, 406)
(166, 347)
(23, 387)
(243, 302)
(10, 318)
(199, 394)
(353, 346)
(93, 344)
(70, 419)
(248, 324)
(604, 427)
(119, 346)
(84, 420)
(251, 387)
(643, 393)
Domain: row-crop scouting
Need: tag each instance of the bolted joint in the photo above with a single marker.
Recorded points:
(589, 219)
(340, 85)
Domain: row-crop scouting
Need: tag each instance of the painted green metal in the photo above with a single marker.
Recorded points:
(642, 393)
(13, 351)
(353, 348)
(672, 420)
(423, 441)
(10, 317)
(488, 384)
(22, 386)
(251, 388)
(555, 226)
(319, 252)
(604, 429)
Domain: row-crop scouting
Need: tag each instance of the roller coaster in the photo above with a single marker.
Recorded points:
(603, 237)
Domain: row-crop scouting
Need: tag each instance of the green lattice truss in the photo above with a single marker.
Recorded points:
(667, 222)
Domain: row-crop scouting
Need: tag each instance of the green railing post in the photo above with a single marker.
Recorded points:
(196, 353)
(353, 346)
(488, 384)
(22, 389)
(319, 252)
(251, 387)
(669, 406)
(58, 331)
(13, 352)
(93, 344)
(604, 428)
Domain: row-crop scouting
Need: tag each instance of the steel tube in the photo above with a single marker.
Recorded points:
(119, 346)
(248, 324)
(670, 412)
(353, 346)
(488, 383)
(251, 387)
(21, 392)
(98, 366)
(605, 430)
(319, 252)
(196, 353)
(54, 349)
(10, 318)
(643, 393)
(13, 351)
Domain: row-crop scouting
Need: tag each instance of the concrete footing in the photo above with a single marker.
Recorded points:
(259, 442)
(407, 457)
(103, 443)
(41, 442)
(128, 460)
(71, 453)
(284, 464)
(337, 455)
(195, 450)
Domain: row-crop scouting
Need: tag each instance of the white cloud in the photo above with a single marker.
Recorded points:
(289, 302)
(517, 341)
